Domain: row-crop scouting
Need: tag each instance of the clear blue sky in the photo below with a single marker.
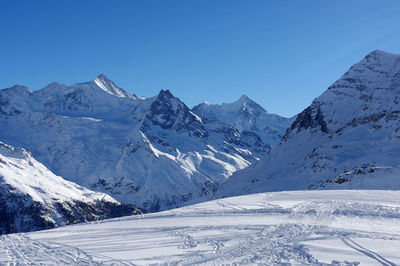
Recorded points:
(282, 54)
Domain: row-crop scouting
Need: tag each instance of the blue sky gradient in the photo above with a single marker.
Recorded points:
(282, 54)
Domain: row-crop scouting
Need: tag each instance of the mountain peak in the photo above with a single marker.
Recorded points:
(166, 100)
(245, 103)
(379, 52)
(244, 98)
(321, 149)
(18, 90)
(108, 86)
(168, 111)
(19, 87)
(165, 94)
(379, 57)
(102, 77)
(378, 69)
(53, 87)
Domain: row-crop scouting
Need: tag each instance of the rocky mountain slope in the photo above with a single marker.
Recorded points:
(348, 138)
(33, 198)
(247, 116)
(154, 153)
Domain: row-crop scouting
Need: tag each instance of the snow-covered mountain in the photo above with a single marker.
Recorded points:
(154, 153)
(33, 198)
(98, 98)
(348, 138)
(247, 116)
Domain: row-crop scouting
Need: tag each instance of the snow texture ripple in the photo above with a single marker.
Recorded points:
(283, 228)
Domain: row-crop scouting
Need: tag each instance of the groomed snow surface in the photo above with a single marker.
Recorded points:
(299, 227)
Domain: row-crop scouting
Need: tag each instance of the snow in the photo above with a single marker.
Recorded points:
(348, 138)
(21, 171)
(299, 227)
(246, 115)
(33, 198)
(329, 250)
(108, 86)
(150, 152)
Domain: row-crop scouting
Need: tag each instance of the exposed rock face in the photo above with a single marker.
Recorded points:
(310, 118)
(168, 112)
(347, 138)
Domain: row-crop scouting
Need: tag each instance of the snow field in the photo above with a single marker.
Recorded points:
(295, 228)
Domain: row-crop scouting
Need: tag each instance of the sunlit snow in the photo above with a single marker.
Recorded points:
(303, 227)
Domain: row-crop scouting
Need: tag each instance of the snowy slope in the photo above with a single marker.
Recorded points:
(247, 116)
(285, 228)
(154, 153)
(99, 98)
(348, 138)
(33, 198)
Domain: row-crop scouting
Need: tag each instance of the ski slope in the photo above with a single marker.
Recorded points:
(298, 227)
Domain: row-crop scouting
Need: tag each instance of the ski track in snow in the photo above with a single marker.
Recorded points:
(287, 228)
(351, 243)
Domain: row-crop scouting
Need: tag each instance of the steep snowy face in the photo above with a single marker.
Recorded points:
(367, 92)
(178, 158)
(347, 138)
(247, 116)
(155, 153)
(33, 198)
(108, 86)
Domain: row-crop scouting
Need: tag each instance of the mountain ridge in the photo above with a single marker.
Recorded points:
(246, 115)
(155, 153)
(346, 139)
